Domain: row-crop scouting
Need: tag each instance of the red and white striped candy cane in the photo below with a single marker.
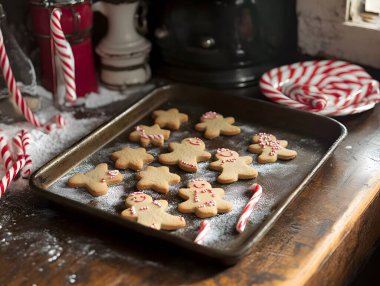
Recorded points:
(242, 222)
(6, 155)
(65, 54)
(57, 121)
(10, 175)
(21, 143)
(204, 229)
(13, 88)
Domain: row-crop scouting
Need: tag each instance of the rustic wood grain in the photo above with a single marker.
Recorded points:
(320, 240)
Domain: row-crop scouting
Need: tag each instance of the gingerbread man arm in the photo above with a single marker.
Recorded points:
(247, 159)
(283, 143)
(230, 120)
(163, 203)
(184, 193)
(255, 148)
(204, 155)
(216, 165)
(200, 126)
(218, 191)
(129, 215)
(230, 129)
(168, 158)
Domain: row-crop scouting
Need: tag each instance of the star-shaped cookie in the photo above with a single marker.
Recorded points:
(170, 118)
(186, 154)
(233, 166)
(131, 158)
(149, 135)
(156, 178)
(214, 124)
(203, 200)
(270, 149)
(143, 210)
(97, 180)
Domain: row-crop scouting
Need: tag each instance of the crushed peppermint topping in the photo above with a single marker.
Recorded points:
(187, 164)
(146, 136)
(157, 203)
(228, 161)
(266, 139)
(113, 173)
(196, 197)
(210, 115)
(144, 208)
(210, 203)
(132, 210)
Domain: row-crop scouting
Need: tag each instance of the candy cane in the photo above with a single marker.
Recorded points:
(204, 229)
(5, 153)
(65, 54)
(13, 88)
(242, 222)
(57, 121)
(10, 175)
(21, 143)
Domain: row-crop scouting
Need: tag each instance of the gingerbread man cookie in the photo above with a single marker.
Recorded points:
(157, 178)
(131, 158)
(149, 135)
(233, 166)
(170, 118)
(97, 180)
(186, 154)
(214, 124)
(145, 211)
(270, 149)
(203, 200)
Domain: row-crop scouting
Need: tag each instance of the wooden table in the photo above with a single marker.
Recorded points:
(322, 238)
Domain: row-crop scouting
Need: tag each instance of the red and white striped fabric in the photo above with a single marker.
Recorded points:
(327, 87)
(65, 54)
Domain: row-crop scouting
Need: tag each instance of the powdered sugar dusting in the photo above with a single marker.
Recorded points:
(222, 233)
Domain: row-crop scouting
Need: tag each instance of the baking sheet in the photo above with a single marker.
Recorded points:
(313, 137)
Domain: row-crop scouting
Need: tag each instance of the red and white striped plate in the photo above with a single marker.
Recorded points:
(326, 87)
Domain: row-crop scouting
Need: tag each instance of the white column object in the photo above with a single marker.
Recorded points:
(123, 51)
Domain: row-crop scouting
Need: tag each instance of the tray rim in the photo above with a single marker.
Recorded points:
(230, 256)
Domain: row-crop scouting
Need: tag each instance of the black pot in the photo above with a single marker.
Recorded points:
(221, 43)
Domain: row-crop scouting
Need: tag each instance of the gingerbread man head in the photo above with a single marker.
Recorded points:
(199, 184)
(194, 142)
(138, 199)
(226, 154)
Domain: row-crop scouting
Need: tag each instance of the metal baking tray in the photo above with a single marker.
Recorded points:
(314, 137)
